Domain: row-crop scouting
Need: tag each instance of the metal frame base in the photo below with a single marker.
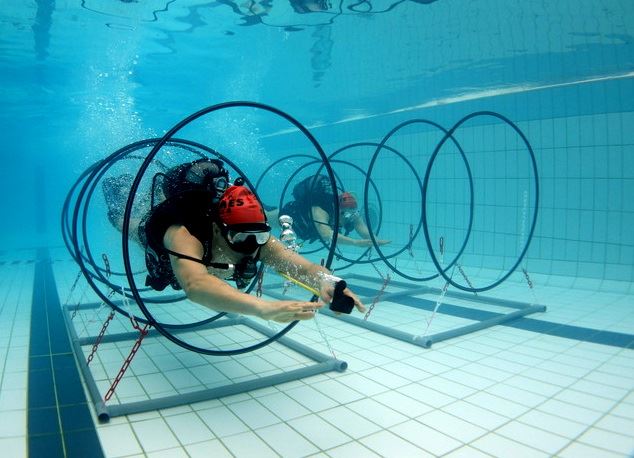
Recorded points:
(522, 309)
(323, 363)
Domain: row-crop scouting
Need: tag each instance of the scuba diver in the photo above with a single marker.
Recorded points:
(206, 232)
(313, 214)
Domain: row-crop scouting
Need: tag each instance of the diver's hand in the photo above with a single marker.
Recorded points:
(286, 311)
(327, 290)
(368, 242)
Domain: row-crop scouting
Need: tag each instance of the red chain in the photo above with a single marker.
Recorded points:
(142, 333)
(100, 336)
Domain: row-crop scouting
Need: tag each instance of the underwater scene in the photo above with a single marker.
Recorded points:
(317, 228)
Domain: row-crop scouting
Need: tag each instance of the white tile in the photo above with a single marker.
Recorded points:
(286, 441)
(533, 386)
(377, 413)
(426, 395)
(552, 423)
(283, 406)
(362, 384)
(253, 414)
(338, 391)
(402, 403)
(248, 444)
(169, 453)
(14, 380)
(605, 391)
(389, 445)
(565, 410)
(466, 452)
(475, 415)
(181, 378)
(222, 421)
(232, 369)
(189, 428)
(577, 450)
(207, 449)
(450, 388)
(154, 435)
(310, 398)
(607, 440)
(351, 449)
(13, 446)
(470, 380)
(13, 423)
(12, 399)
(118, 440)
(319, 432)
(411, 373)
(624, 410)
(385, 378)
(616, 424)
(496, 445)
(587, 401)
(533, 437)
(452, 426)
(523, 397)
(350, 422)
(426, 438)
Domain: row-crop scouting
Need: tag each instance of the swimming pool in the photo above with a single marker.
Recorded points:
(494, 144)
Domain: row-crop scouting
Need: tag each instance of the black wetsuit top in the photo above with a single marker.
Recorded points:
(300, 210)
(194, 210)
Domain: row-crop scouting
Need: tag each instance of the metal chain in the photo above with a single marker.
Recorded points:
(411, 241)
(324, 336)
(378, 296)
(531, 286)
(464, 275)
(107, 264)
(72, 288)
(142, 333)
(100, 336)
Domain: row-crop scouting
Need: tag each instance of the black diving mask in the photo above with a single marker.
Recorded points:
(246, 241)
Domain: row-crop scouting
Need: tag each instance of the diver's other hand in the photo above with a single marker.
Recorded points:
(286, 311)
(368, 242)
(327, 290)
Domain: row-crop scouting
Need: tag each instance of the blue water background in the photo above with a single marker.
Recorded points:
(82, 79)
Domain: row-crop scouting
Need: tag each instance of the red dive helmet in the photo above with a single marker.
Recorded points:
(347, 201)
(242, 218)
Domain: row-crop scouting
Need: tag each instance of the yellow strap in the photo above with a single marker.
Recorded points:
(299, 283)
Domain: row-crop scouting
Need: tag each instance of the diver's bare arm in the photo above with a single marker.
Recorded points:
(321, 221)
(198, 284)
(286, 261)
(214, 293)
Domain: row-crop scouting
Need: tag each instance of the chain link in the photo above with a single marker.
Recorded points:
(386, 281)
(142, 333)
(100, 337)
(464, 275)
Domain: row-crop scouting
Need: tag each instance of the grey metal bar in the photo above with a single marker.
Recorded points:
(100, 407)
(123, 336)
(324, 363)
(437, 291)
(429, 340)
(294, 345)
(221, 391)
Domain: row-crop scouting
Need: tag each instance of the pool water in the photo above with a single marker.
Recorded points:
(490, 142)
